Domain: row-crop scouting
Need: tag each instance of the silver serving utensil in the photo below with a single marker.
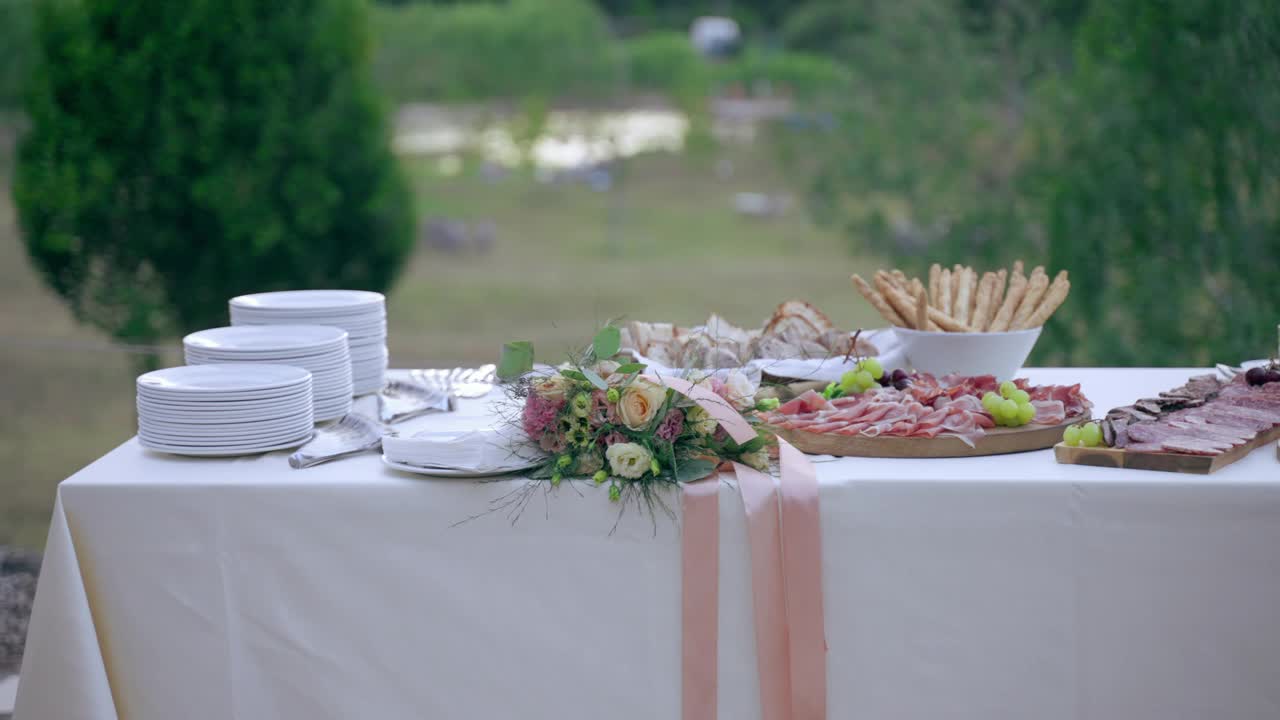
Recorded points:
(352, 435)
(461, 382)
(1228, 371)
(400, 401)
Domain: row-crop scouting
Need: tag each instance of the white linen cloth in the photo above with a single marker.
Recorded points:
(480, 450)
(967, 589)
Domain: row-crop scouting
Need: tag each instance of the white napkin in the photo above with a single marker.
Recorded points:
(482, 450)
(815, 369)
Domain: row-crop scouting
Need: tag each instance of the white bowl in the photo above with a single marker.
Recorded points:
(980, 353)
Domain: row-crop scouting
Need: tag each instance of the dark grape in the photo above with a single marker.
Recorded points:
(1271, 376)
(901, 379)
(1258, 376)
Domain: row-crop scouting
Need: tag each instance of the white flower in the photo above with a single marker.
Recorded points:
(588, 464)
(739, 391)
(702, 423)
(628, 460)
(640, 401)
(551, 387)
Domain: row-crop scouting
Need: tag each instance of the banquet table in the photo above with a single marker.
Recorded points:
(974, 588)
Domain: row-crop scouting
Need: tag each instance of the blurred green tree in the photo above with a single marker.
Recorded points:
(16, 40)
(1130, 142)
(182, 153)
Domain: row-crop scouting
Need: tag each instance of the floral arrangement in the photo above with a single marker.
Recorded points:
(601, 419)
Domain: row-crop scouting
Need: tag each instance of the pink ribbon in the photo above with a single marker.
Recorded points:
(785, 542)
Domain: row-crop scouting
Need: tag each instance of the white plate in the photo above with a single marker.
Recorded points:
(228, 451)
(257, 340)
(314, 363)
(1250, 364)
(448, 473)
(219, 406)
(164, 426)
(238, 437)
(223, 380)
(273, 438)
(189, 418)
(310, 301)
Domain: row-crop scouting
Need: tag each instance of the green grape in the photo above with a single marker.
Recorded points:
(1091, 435)
(1026, 412)
(1071, 435)
(848, 381)
(863, 378)
(1020, 396)
(872, 366)
(989, 402)
(1006, 388)
(1009, 410)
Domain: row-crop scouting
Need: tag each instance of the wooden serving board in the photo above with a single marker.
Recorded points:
(997, 441)
(1165, 462)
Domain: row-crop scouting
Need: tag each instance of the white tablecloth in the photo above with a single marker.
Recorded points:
(985, 588)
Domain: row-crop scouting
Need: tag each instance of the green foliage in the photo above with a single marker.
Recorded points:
(666, 62)
(1163, 184)
(16, 49)
(521, 48)
(240, 149)
(807, 77)
(1129, 142)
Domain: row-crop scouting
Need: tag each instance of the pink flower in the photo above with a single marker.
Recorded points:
(612, 438)
(540, 415)
(553, 442)
(603, 412)
(671, 425)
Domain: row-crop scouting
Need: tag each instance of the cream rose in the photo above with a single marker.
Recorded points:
(628, 460)
(551, 387)
(640, 401)
(739, 391)
(702, 423)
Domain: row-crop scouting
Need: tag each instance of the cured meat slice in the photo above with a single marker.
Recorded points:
(1225, 433)
(1049, 412)
(810, 401)
(1193, 446)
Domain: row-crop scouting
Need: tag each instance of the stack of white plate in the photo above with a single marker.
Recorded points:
(321, 349)
(236, 409)
(362, 314)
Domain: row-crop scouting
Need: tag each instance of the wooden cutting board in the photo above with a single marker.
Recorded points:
(1165, 462)
(997, 441)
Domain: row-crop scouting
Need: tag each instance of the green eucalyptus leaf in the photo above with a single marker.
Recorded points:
(574, 375)
(606, 343)
(691, 470)
(629, 368)
(752, 445)
(517, 359)
(594, 378)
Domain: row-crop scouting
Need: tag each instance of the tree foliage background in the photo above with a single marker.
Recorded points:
(182, 153)
(1132, 142)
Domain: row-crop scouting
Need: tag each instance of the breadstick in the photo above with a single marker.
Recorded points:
(982, 309)
(878, 302)
(1053, 297)
(945, 322)
(935, 274)
(899, 278)
(973, 292)
(1017, 288)
(944, 291)
(1017, 267)
(1037, 284)
(914, 286)
(957, 279)
(960, 309)
(898, 298)
(922, 312)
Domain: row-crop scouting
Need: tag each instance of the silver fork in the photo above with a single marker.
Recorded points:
(352, 435)
(460, 382)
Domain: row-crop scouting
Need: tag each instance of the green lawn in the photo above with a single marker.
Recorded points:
(664, 245)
